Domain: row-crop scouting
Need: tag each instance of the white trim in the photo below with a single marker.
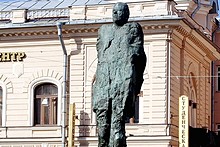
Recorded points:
(4, 91)
(31, 87)
(141, 109)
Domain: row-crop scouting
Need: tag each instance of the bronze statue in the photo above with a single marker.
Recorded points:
(119, 75)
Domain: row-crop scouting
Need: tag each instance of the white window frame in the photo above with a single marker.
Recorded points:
(4, 91)
(31, 90)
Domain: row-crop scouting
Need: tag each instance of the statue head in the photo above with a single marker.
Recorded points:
(120, 13)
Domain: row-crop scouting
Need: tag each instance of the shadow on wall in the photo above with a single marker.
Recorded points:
(78, 47)
(84, 129)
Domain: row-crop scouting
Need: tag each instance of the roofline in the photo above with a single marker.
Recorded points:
(107, 2)
(83, 22)
(202, 34)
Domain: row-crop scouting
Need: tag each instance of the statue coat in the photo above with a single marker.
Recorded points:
(121, 63)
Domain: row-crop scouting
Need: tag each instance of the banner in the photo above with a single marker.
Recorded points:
(183, 121)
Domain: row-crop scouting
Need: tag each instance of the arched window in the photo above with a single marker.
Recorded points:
(45, 104)
(192, 101)
(1, 106)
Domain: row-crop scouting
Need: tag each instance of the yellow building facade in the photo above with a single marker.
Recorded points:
(179, 52)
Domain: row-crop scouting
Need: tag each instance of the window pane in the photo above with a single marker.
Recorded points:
(135, 118)
(54, 110)
(46, 114)
(39, 90)
(50, 89)
(136, 113)
(37, 111)
(46, 89)
(47, 107)
(218, 127)
(54, 90)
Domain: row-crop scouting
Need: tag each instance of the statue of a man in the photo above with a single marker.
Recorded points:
(119, 76)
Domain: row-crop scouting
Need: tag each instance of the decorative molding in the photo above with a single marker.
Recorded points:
(19, 16)
(159, 27)
(18, 69)
(182, 31)
(5, 15)
(44, 73)
(34, 33)
(42, 76)
(199, 43)
(48, 13)
(7, 83)
(79, 29)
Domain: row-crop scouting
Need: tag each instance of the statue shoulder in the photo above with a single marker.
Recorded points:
(135, 29)
(105, 27)
(134, 25)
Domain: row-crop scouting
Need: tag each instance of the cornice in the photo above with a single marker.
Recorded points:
(159, 27)
(194, 37)
(70, 30)
(182, 31)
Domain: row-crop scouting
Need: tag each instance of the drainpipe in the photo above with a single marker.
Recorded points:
(213, 97)
(168, 83)
(63, 118)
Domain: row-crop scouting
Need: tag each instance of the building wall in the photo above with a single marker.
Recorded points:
(43, 63)
(191, 76)
(216, 95)
(152, 105)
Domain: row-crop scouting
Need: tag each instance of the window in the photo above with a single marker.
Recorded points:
(192, 110)
(45, 104)
(192, 101)
(218, 78)
(218, 127)
(135, 118)
(0, 106)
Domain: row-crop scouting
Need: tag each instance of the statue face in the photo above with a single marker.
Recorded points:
(120, 13)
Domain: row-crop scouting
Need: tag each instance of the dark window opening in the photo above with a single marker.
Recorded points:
(45, 104)
(135, 118)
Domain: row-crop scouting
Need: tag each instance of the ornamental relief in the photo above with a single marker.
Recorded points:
(7, 83)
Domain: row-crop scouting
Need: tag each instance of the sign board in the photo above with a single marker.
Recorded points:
(183, 121)
(12, 56)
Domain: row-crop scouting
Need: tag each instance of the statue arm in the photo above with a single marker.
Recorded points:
(139, 57)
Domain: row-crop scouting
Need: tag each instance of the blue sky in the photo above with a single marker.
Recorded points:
(218, 8)
(5, 0)
(8, 0)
